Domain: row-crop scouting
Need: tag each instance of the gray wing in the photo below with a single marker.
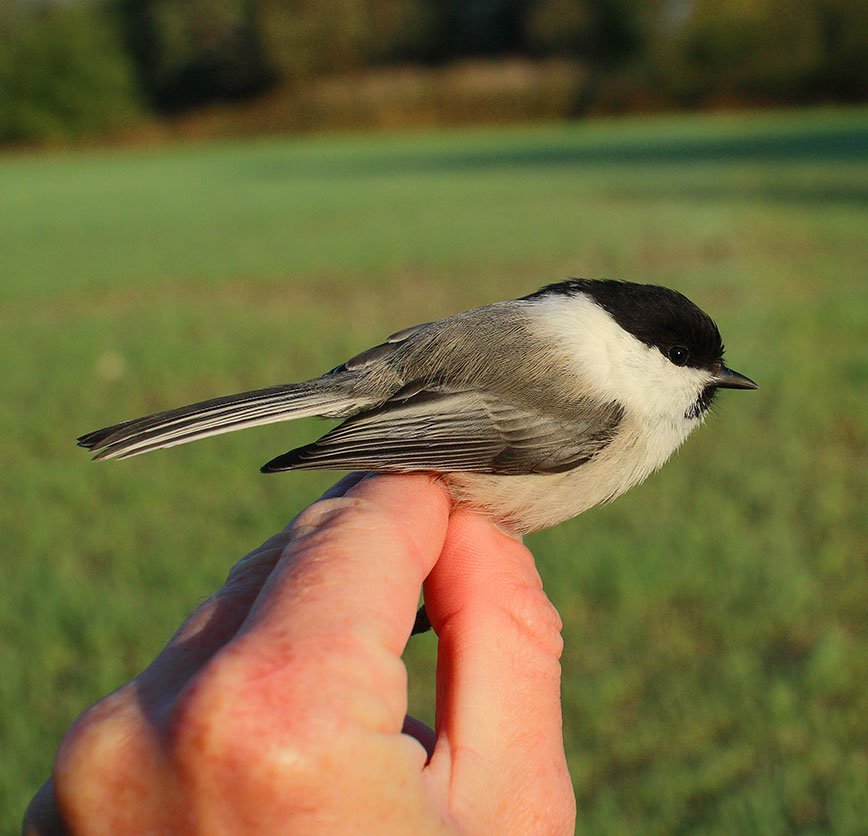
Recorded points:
(427, 427)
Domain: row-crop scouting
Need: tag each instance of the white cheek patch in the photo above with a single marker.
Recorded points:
(612, 364)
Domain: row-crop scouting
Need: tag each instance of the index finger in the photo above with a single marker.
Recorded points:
(353, 567)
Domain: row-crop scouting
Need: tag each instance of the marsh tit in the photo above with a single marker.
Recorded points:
(534, 410)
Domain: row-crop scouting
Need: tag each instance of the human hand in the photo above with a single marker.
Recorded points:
(280, 705)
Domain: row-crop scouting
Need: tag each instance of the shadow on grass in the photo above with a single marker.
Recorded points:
(808, 194)
(810, 144)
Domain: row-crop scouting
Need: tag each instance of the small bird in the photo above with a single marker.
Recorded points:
(533, 409)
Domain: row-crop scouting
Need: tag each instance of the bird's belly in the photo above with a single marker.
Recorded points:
(526, 503)
(535, 501)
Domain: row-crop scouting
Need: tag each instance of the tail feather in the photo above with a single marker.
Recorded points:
(218, 415)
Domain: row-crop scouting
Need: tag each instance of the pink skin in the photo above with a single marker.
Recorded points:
(280, 705)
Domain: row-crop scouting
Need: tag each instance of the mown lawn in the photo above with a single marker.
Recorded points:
(716, 619)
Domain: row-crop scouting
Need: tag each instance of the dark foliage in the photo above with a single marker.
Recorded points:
(86, 66)
(63, 72)
(191, 52)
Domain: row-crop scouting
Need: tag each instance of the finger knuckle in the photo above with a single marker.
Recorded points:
(203, 719)
(358, 515)
(104, 740)
(325, 512)
(253, 568)
(534, 616)
(226, 729)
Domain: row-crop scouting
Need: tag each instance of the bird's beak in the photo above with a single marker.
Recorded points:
(728, 379)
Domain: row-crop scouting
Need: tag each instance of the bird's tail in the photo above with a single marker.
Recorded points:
(219, 415)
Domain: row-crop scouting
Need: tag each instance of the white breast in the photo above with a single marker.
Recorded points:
(536, 501)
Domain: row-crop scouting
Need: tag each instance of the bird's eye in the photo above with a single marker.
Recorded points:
(679, 355)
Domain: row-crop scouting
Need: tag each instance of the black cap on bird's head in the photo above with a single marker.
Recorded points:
(663, 319)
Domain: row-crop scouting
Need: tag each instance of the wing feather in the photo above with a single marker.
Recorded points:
(218, 415)
(440, 430)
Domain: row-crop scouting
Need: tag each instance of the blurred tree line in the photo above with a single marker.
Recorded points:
(76, 67)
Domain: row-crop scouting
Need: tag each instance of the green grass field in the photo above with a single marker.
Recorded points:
(716, 619)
